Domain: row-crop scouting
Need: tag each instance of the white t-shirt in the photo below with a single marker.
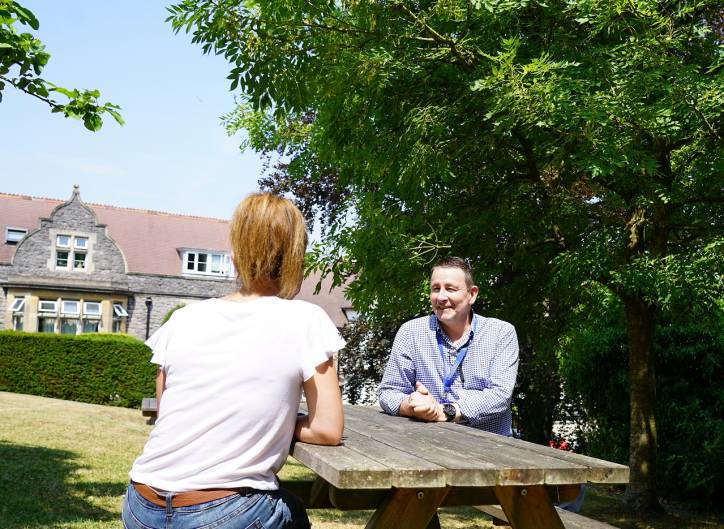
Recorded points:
(234, 373)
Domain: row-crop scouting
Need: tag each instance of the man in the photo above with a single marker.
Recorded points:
(453, 365)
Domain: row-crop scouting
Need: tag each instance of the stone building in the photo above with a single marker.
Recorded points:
(72, 268)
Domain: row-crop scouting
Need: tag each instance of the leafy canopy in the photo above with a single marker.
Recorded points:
(22, 59)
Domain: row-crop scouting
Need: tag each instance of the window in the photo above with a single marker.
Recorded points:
(61, 259)
(71, 308)
(17, 322)
(71, 252)
(14, 235)
(18, 304)
(119, 317)
(47, 306)
(92, 308)
(79, 260)
(204, 263)
(73, 316)
(91, 325)
(68, 326)
(350, 314)
(46, 324)
(62, 241)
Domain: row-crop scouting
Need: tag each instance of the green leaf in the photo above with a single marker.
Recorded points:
(26, 16)
(93, 122)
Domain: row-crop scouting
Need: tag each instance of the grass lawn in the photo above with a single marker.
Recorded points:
(64, 465)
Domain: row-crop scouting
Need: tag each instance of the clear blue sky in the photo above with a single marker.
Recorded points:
(172, 155)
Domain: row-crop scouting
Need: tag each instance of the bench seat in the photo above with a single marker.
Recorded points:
(570, 520)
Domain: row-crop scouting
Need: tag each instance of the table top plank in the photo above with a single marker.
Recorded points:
(476, 467)
(513, 457)
(343, 467)
(414, 438)
(407, 470)
(597, 470)
(512, 460)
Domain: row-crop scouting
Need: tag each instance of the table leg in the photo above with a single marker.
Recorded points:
(408, 508)
(528, 507)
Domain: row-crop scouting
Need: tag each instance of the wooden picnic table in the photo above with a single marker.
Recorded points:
(406, 469)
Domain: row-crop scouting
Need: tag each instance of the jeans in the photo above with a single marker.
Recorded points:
(259, 509)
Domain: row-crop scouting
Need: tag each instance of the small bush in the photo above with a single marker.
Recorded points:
(168, 315)
(99, 368)
(689, 402)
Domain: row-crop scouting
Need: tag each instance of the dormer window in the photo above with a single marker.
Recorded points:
(206, 263)
(14, 235)
(71, 252)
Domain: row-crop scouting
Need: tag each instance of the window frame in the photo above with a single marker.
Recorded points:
(64, 246)
(92, 315)
(11, 229)
(68, 258)
(42, 319)
(67, 314)
(192, 260)
(92, 321)
(18, 305)
(119, 311)
(76, 261)
(41, 310)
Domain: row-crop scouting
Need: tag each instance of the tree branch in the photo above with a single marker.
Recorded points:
(50, 102)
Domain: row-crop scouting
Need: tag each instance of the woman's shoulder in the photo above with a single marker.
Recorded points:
(300, 307)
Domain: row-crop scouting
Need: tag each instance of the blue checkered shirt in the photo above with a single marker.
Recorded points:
(483, 385)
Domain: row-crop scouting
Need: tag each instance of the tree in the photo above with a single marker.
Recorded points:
(22, 59)
(561, 145)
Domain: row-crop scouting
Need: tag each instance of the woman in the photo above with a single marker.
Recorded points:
(229, 381)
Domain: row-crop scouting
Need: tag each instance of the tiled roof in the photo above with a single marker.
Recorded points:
(149, 240)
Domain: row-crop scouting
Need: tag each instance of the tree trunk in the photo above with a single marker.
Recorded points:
(640, 322)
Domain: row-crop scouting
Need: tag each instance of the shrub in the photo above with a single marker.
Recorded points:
(689, 407)
(96, 368)
(173, 309)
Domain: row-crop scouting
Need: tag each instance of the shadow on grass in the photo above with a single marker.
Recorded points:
(36, 490)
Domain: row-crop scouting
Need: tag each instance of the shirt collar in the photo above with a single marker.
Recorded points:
(438, 328)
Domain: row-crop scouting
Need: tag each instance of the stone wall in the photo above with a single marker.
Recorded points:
(35, 255)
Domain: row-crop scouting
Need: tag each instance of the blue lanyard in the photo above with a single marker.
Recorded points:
(448, 379)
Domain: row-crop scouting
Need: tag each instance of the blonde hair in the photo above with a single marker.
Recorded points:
(269, 239)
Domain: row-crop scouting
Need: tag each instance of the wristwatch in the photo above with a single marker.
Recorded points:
(449, 411)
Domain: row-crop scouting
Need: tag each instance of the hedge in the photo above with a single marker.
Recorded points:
(108, 369)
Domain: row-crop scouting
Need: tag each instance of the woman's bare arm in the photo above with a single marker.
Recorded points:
(160, 385)
(325, 421)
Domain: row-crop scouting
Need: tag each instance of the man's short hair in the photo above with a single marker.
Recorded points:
(457, 262)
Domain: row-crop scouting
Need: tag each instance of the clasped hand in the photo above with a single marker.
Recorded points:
(422, 405)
